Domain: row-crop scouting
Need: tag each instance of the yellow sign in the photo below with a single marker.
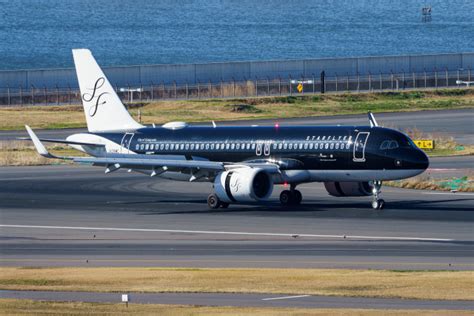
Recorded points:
(300, 87)
(424, 143)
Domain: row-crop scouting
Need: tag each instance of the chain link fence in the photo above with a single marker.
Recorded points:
(36, 96)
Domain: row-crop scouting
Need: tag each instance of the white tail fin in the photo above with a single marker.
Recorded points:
(102, 107)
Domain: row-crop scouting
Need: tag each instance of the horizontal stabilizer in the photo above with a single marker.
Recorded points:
(63, 141)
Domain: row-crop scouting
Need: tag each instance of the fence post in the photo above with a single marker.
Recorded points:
(163, 89)
(210, 88)
(45, 93)
(69, 94)
(33, 94)
(447, 79)
(141, 92)
(199, 90)
(314, 83)
(347, 82)
(279, 85)
(57, 95)
(336, 83)
(414, 79)
(187, 90)
(358, 82)
(268, 86)
(21, 96)
(8, 95)
(289, 76)
(457, 77)
(233, 87)
(175, 90)
(256, 87)
(403, 79)
(391, 80)
(469, 74)
(370, 81)
(381, 86)
(152, 93)
(425, 77)
(436, 78)
(222, 89)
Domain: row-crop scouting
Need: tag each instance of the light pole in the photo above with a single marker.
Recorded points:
(131, 91)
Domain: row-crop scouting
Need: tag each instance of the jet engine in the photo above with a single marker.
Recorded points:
(243, 185)
(349, 188)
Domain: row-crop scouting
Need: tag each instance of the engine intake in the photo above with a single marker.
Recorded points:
(243, 185)
(348, 188)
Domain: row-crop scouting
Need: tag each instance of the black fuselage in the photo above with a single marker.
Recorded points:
(292, 147)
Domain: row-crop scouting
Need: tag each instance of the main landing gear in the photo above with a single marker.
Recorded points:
(377, 203)
(291, 197)
(214, 202)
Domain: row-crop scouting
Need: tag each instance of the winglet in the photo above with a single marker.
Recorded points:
(372, 120)
(38, 145)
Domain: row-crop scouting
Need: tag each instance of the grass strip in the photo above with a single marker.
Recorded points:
(29, 307)
(437, 285)
(51, 117)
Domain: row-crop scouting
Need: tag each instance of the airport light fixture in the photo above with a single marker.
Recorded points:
(130, 92)
(467, 83)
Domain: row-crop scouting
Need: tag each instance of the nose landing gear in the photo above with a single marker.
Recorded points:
(377, 203)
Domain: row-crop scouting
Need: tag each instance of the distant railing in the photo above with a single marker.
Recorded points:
(27, 96)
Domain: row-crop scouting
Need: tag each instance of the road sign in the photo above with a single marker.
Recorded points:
(300, 87)
(424, 143)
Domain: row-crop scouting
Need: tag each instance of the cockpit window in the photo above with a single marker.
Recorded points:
(393, 144)
(385, 144)
(389, 144)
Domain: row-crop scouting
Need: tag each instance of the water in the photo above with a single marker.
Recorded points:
(41, 33)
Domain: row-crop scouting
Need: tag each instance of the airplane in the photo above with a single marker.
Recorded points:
(243, 163)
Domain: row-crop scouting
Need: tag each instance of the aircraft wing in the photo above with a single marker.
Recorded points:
(155, 164)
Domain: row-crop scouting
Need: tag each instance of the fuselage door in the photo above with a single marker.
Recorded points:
(125, 144)
(359, 146)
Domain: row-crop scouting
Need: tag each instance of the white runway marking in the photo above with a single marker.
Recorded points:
(211, 232)
(283, 297)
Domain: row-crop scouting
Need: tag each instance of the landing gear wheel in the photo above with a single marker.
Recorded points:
(224, 205)
(213, 201)
(285, 197)
(378, 204)
(297, 197)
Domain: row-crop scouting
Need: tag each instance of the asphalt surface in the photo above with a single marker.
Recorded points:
(455, 123)
(253, 300)
(77, 216)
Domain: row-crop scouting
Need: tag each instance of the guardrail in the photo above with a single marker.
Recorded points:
(289, 86)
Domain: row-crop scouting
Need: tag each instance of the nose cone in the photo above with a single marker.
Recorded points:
(422, 160)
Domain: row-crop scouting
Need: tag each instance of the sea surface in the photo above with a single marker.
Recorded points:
(41, 33)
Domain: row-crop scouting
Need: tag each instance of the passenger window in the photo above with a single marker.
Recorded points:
(316, 146)
(332, 145)
(137, 146)
(212, 146)
(291, 146)
(187, 147)
(285, 146)
(147, 146)
(232, 146)
(326, 146)
(393, 144)
(301, 146)
(162, 146)
(311, 146)
(207, 146)
(305, 145)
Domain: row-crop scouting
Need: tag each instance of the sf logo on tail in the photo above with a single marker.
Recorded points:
(88, 97)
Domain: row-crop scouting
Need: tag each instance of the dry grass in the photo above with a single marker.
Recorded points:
(29, 307)
(23, 153)
(255, 108)
(444, 145)
(427, 182)
(441, 285)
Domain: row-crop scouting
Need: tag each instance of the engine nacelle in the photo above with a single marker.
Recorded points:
(243, 185)
(348, 188)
